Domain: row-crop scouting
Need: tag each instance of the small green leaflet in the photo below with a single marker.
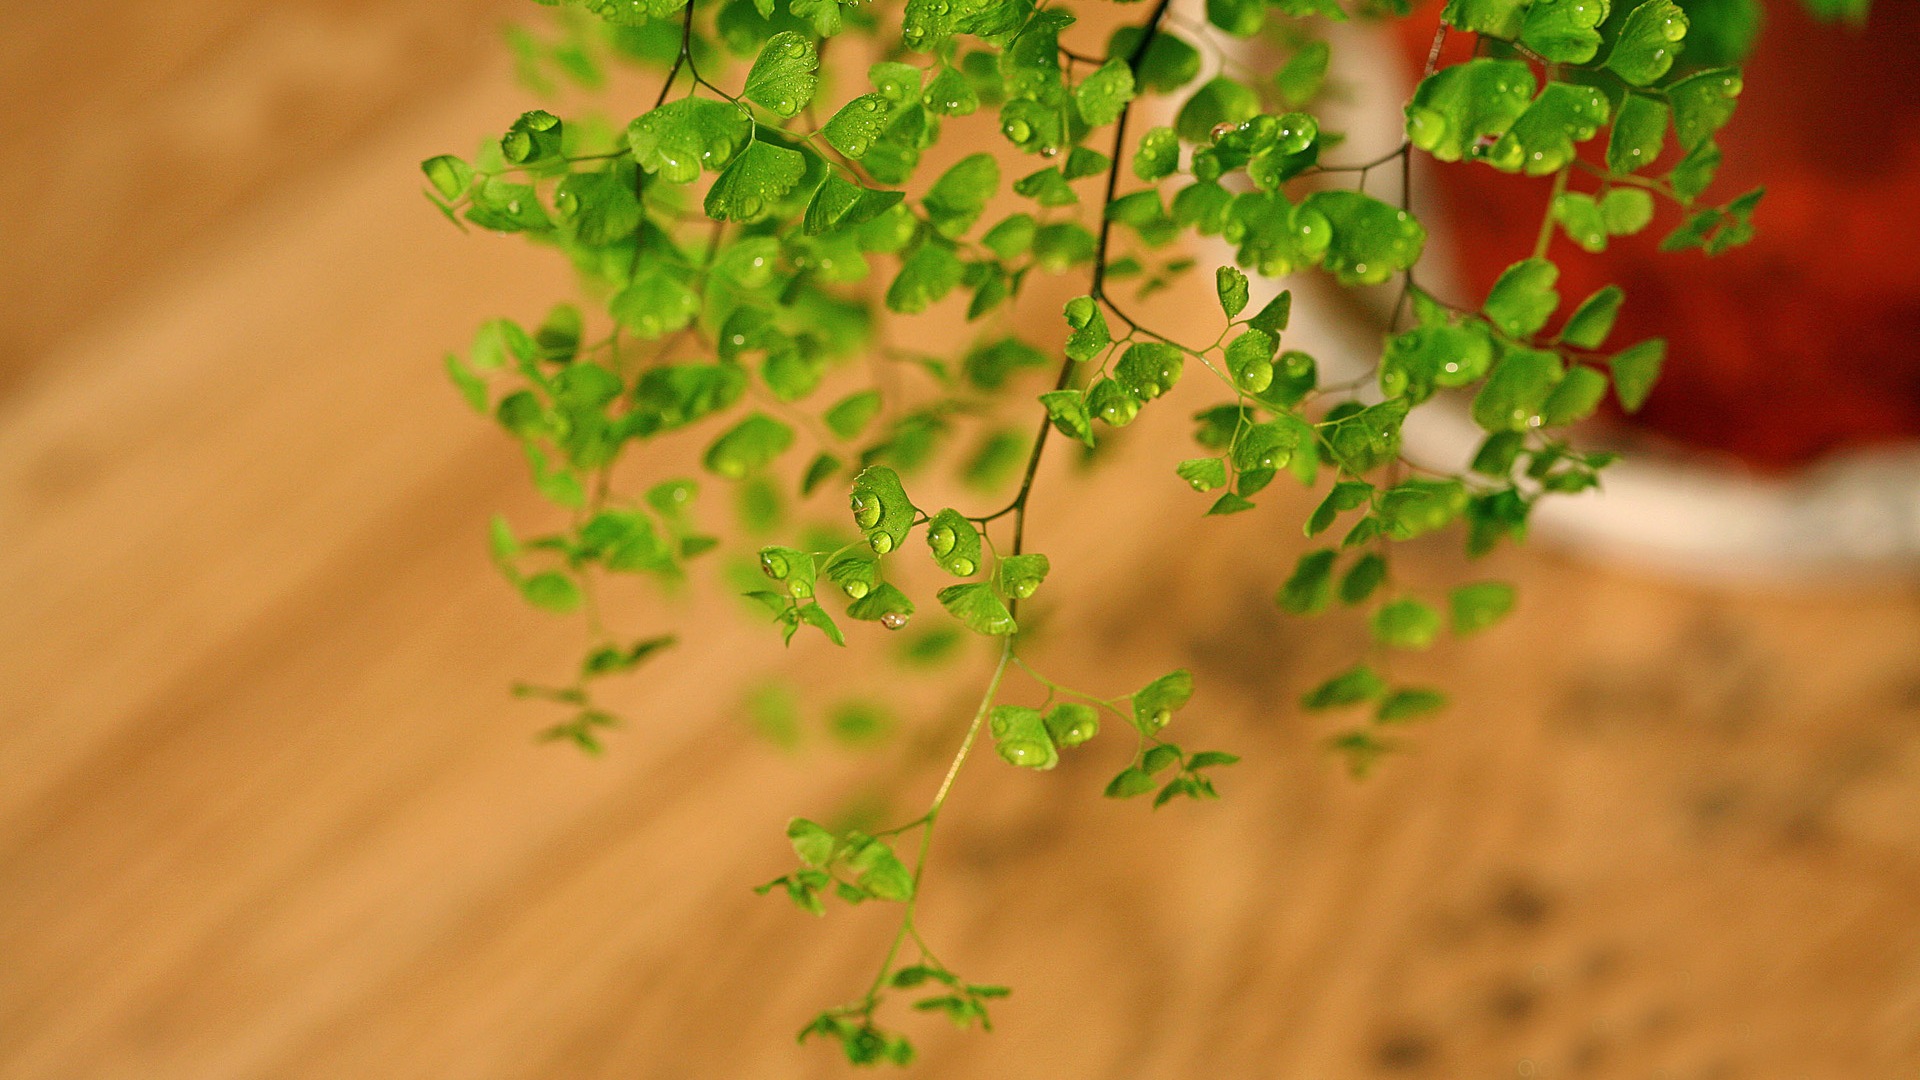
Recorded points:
(1635, 369)
(783, 77)
(1639, 131)
(1103, 95)
(881, 508)
(1155, 703)
(1480, 605)
(1648, 42)
(858, 125)
(748, 446)
(750, 187)
(678, 139)
(956, 199)
(1020, 736)
(976, 606)
(1524, 297)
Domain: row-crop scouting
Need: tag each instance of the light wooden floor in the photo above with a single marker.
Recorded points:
(269, 812)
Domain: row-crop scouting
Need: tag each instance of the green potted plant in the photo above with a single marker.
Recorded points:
(764, 241)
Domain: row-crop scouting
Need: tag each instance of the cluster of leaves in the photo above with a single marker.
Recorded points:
(765, 224)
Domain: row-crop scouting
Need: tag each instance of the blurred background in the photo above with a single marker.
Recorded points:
(271, 813)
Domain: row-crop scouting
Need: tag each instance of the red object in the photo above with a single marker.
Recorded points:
(1807, 340)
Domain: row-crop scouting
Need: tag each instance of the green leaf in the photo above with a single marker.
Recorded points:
(675, 395)
(881, 508)
(1649, 40)
(975, 605)
(1479, 605)
(1220, 101)
(1635, 369)
(1564, 31)
(1274, 315)
(927, 275)
(1046, 187)
(1542, 140)
(1703, 103)
(1229, 503)
(598, 207)
(1362, 441)
(534, 137)
(1342, 497)
(1639, 131)
(1157, 156)
(1021, 575)
(1417, 506)
(851, 415)
(750, 188)
(451, 177)
(1249, 359)
(1350, 687)
(1626, 210)
(1020, 736)
(472, 387)
(1071, 723)
(1696, 171)
(1011, 238)
(1082, 162)
(954, 542)
(1102, 96)
(1495, 18)
(876, 869)
(1408, 704)
(842, 204)
(678, 139)
(1363, 579)
(1524, 297)
(857, 125)
(1129, 783)
(1516, 392)
(1300, 79)
(884, 604)
(1155, 703)
(1068, 411)
(1438, 355)
(1149, 368)
(1406, 624)
(1456, 109)
(1579, 216)
(1371, 240)
(1592, 321)
(1231, 287)
(1169, 63)
(1575, 398)
(748, 446)
(949, 93)
(783, 76)
(1090, 334)
(811, 842)
(1241, 18)
(957, 198)
(1310, 588)
(552, 591)
(655, 303)
(1203, 474)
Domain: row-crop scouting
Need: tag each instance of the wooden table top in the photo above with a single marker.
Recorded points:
(270, 813)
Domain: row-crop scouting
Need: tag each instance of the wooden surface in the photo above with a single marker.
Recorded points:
(269, 812)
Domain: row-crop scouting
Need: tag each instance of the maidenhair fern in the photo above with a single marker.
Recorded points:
(745, 240)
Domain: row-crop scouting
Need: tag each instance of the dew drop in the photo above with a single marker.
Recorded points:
(882, 542)
(894, 620)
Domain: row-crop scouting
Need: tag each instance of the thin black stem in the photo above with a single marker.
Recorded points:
(1096, 289)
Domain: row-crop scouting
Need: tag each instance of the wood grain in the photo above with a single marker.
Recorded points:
(270, 814)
